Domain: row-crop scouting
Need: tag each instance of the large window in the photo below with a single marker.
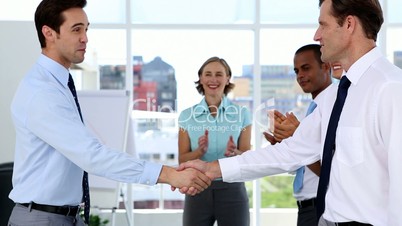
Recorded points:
(106, 12)
(393, 9)
(192, 12)
(298, 12)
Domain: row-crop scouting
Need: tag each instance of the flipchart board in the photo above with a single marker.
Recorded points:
(106, 113)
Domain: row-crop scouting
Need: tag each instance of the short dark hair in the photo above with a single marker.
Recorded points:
(369, 13)
(312, 47)
(228, 87)
(49, 12)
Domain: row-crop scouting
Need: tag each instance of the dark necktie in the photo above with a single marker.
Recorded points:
(85, 186)
(329, 145)
(298, 181)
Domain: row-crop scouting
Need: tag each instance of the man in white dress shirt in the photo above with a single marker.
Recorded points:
(365, 178)
(313, 76)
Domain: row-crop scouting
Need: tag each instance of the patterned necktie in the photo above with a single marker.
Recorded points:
(85, 185)
(298, 181)
(329, 145)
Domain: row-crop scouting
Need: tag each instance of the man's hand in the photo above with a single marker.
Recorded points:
(315, 167)
(284, 126)
(275, 118)
(270, 138)
(211, 169)
(193, 181)
(292, 119)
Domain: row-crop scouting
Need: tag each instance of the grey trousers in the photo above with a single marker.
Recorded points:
(22, 216)
(323, 222)
(225, 203)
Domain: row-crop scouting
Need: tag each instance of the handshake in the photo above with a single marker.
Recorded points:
(191, 177)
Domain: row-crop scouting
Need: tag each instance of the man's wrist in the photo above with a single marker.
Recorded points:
(214, 170)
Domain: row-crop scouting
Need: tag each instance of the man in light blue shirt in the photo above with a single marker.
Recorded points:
(53, 146)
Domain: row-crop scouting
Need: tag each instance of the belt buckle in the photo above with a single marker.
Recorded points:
(30, 207)
(79, 208)
(68, 212)
(299, 204)
(71, 208)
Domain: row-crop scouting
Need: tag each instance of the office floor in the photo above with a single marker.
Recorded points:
(268, 217)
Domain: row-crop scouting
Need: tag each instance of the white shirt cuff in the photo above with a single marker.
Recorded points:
(230, 169)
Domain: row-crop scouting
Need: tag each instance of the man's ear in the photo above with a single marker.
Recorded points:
(350, 23)
(326, 66)
(48, 32)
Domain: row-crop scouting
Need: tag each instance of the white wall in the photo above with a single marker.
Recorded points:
(19, 48)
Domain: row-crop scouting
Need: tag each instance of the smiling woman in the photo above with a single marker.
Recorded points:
(225, 131)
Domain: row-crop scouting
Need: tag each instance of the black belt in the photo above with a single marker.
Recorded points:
(63, 210)
(352, 223)
(306, 203)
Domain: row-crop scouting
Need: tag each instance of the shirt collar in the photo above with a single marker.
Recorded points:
(205, 108)
(59, 72)
(357, 69)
